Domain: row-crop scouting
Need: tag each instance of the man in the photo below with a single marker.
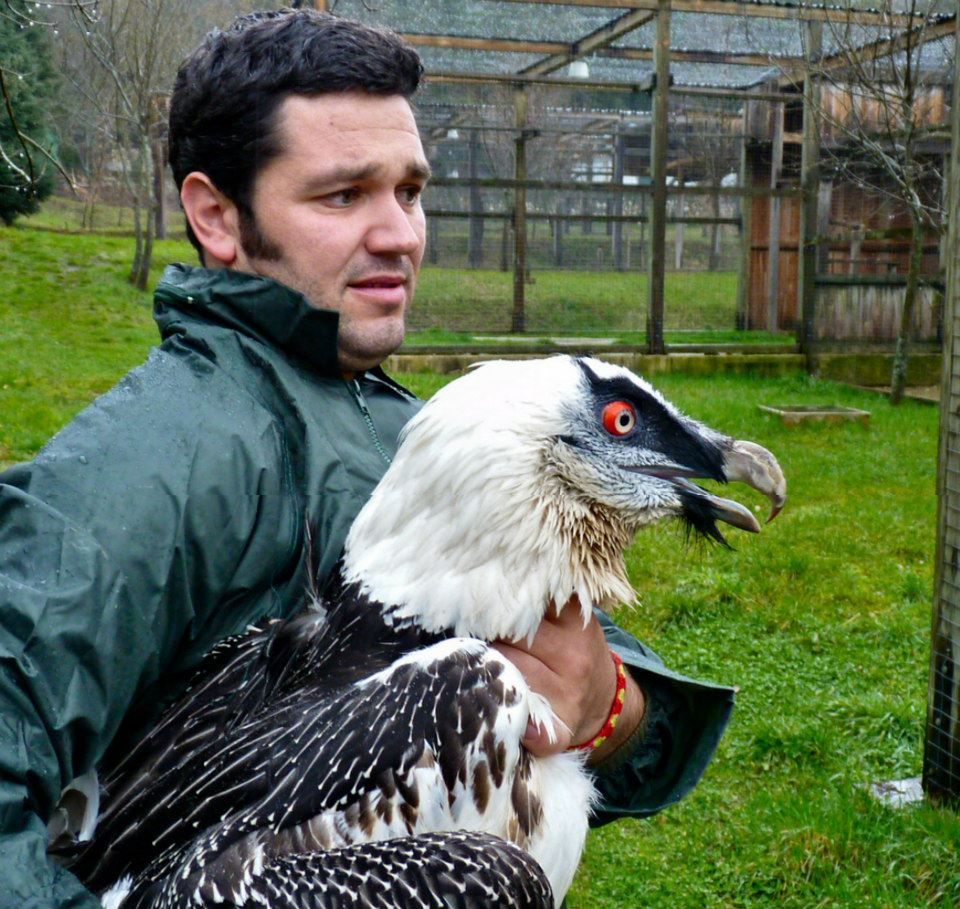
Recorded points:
(176, 509)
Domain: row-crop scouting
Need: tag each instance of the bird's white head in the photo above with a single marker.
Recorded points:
(523, 482)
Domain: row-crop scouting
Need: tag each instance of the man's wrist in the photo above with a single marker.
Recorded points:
(628, 729)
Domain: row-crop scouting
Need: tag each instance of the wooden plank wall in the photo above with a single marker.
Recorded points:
(760, 258)
(849, 205)
(871, 312)
(929, 108)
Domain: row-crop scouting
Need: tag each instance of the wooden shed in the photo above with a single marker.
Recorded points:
(860, 231)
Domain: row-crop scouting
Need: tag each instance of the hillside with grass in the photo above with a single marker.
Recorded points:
(822, 620)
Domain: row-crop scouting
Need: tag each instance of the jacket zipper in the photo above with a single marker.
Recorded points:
(362, 404)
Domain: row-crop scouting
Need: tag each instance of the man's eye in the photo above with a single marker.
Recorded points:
(409, 194)
(341, 198)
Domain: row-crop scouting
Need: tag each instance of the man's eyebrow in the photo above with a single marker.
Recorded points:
(420, 170)
(345, 174)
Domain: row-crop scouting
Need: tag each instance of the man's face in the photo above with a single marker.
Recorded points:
(339, 216)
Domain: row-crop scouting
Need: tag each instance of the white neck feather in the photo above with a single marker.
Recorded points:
(481, 538)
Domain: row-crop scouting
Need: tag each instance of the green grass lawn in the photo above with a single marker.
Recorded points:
(569, 301)
(456, 305)
(822, 620)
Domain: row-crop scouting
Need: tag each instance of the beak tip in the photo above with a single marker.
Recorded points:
(778, 504)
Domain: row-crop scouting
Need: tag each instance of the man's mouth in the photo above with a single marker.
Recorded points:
(382, 288)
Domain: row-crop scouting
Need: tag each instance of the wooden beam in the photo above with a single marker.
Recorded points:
(750, 10)
(501, 45)
(467, 78)
(810, 186)
(659, 147)
(596, 40)
(523, 46)
(704, 220)
(610, 187)
(745, 94)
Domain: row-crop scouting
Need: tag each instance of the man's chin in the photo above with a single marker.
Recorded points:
(366, 348)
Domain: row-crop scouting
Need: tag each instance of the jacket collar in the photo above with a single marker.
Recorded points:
(252, 305)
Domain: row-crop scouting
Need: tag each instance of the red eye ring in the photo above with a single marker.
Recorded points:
(619, 418)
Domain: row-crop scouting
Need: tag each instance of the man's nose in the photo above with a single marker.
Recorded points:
(396, 229)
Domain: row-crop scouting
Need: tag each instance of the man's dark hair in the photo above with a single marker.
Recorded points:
(223, 111)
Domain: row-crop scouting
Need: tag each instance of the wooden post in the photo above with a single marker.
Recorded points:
(642, 242)
(823, 226)
(810, 189)
(475, 229)
(679, 228)
(658, 178)
(773, 249)
(856, 249)
(518, 318)
(941, 758)
(505, 243)
(433, 254)
(616, 235)
(713, 261)
(745, 203)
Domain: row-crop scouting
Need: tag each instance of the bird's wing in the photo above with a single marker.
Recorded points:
(454, 870)
(311, 770)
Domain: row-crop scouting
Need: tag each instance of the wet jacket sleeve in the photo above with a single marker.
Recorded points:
(682, 726)
(104, 585)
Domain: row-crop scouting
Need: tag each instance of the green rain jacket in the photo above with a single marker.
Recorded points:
(171, 513)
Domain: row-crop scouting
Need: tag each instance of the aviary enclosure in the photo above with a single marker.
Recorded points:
(670, 146)
(681, 146)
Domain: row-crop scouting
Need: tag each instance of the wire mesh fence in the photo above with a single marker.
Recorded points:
(564, 174)
(941, 764)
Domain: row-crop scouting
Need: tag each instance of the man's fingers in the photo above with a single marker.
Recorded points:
(537, 741)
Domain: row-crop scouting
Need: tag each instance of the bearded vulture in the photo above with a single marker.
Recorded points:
(367, 752)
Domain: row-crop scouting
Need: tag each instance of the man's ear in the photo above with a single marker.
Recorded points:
(214, 219)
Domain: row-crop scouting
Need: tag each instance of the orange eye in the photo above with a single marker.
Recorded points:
(619, 418)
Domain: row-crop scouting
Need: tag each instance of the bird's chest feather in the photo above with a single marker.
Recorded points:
(458, 766)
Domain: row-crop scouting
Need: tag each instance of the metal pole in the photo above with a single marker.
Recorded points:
(810, 187)
(658, 179)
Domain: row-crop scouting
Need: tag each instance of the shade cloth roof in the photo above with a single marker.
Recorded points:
(726, 37)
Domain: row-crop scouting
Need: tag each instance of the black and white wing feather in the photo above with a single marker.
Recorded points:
(311, 739)
(455, 870)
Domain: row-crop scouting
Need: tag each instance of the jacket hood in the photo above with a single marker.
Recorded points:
(251, 304)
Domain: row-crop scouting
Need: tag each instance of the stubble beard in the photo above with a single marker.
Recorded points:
(361, 343)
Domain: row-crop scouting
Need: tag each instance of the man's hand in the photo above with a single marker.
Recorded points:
(571, 667)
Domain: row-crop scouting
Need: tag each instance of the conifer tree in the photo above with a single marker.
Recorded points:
(28, 83)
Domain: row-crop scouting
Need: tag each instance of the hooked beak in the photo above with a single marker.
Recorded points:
(744, 462)
(747, 462)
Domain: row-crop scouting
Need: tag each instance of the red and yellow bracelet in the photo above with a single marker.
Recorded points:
(616, 708)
